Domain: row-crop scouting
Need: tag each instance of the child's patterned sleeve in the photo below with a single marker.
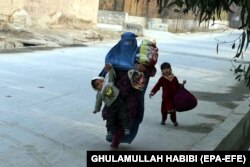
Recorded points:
(111, 74)
(98, 102)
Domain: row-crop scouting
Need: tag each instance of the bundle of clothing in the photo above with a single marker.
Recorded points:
(137, 79)
(148, 56)
(148, 53)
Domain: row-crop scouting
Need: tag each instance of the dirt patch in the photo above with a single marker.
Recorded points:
(12, 38)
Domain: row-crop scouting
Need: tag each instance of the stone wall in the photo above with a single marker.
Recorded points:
(76, 13)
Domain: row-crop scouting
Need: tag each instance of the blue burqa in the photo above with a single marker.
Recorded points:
(122, 57)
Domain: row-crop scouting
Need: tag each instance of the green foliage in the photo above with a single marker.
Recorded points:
(209, 10)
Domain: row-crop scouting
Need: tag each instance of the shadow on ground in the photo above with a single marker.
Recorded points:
(238, 92)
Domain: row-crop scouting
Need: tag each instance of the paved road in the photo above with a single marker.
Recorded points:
(46, 104)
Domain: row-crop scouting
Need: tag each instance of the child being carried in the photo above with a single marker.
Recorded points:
(109, 94)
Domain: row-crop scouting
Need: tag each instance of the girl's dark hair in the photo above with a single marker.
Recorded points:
(165, 65)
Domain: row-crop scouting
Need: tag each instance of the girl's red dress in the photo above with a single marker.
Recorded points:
(169, 89)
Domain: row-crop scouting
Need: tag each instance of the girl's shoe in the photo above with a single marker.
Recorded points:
(176, 124)
(163, 123)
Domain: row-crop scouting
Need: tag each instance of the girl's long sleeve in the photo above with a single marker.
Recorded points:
(157, 86)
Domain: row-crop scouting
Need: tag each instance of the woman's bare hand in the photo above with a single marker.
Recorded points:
(107, 67)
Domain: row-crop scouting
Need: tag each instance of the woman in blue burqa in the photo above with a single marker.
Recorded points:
(122, 57)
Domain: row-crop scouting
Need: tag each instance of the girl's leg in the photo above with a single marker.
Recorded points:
(163, 114)
(173, 118)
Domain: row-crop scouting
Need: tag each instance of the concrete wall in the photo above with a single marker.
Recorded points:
(172, 25)
(110, 17)
(51, 12)
(239, 135)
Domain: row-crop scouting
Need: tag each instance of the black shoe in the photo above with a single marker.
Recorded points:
(109, 136)
(113, 148)
(176, 124)
(126, 132)
(163, 123)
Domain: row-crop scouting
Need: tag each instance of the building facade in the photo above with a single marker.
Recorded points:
(142, 8)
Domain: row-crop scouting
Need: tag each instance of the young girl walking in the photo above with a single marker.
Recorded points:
(170, 85)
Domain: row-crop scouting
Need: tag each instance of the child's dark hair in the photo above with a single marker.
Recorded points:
(93, 83)
(165, 65)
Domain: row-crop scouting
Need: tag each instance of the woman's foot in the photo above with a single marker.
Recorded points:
(126, 132)
(176, 124)
(109, 136)
(113, 148)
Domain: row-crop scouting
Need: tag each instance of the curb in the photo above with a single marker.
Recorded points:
(232, 134)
